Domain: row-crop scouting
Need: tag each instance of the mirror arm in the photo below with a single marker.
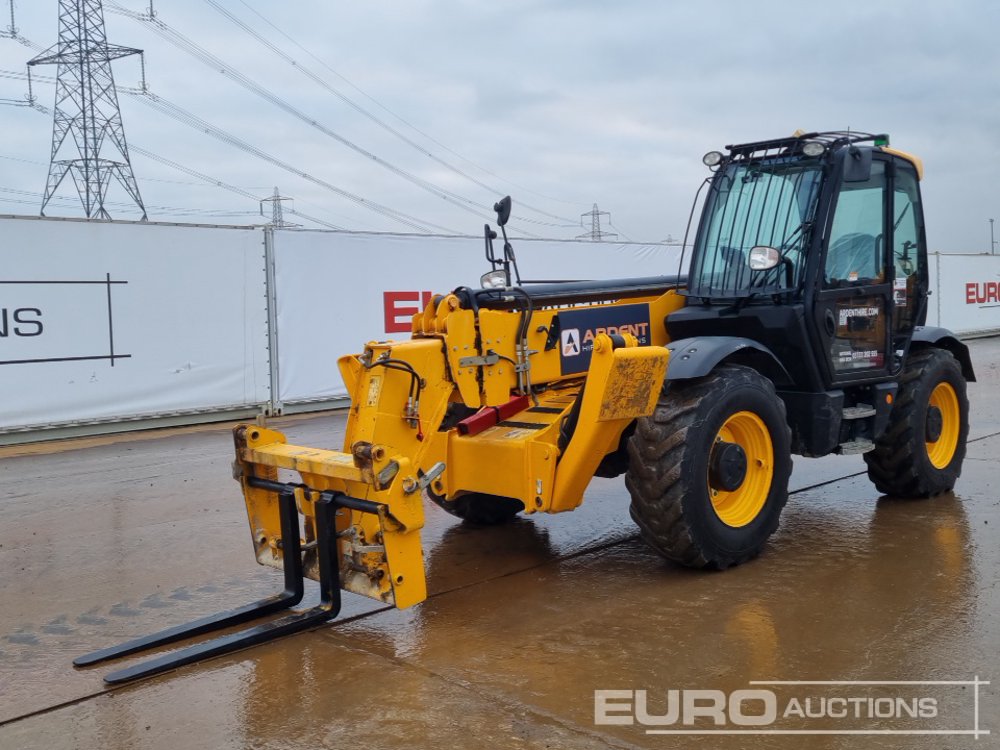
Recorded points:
(509, 259)
(489, 235)
(789, 270)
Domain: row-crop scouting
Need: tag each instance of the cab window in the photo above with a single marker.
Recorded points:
(906, 234)
(855, 249)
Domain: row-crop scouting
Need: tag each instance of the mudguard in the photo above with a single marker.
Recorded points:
(697, 356)
(943, 339)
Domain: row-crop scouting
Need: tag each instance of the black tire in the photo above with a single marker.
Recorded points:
(616, 463)
(480, 509)
(901, 465)
(668, 475)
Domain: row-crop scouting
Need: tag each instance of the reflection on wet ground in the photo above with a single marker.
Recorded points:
(523, 624)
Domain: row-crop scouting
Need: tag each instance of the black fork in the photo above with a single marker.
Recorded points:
(328, 608)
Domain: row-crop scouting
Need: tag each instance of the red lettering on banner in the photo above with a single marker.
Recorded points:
(398, 316)
(982, 292)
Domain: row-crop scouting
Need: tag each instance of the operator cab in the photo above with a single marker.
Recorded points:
(813, 246)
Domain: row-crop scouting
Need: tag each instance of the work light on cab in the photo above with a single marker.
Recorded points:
(813, 148)
(712, 159)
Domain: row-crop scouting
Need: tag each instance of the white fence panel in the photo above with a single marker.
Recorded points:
(102, 321)
(337, 290)
(967, 295)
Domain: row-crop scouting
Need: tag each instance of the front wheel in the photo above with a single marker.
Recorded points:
(921, 451)
(709, 469)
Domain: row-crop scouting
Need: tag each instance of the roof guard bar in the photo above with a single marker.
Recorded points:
(830, 138)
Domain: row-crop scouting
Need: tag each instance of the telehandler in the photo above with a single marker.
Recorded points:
(798, 329)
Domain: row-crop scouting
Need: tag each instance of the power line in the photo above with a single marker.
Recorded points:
(183, 42)
(181, 115)
(620, 232)
(176, 112)
(202, 126)
(187, 45)
(175, 210)
(14, 33)
(12, 29)
(219, 183)
(361, 110)
(215, 182)
(408, 124)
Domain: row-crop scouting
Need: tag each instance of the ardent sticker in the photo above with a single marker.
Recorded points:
(580, 327)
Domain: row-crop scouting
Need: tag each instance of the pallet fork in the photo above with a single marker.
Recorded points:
(328, 608)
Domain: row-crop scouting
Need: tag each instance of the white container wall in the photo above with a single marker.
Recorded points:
(104, 321)
(966, 295)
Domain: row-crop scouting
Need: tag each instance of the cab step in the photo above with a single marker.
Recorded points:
(852, 447)
(861, 411)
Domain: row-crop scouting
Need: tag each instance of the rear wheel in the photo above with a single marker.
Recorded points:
(921, 452)
(709, 470)
(481, 509)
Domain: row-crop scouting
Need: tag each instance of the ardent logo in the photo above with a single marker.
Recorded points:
(571, 342)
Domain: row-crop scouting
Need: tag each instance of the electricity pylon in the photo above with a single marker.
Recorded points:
(88, 138)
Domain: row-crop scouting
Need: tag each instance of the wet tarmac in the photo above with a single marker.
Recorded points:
(112, 538)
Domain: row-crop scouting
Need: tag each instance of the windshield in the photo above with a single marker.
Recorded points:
(752, 203)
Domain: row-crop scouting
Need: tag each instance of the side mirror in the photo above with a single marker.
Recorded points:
(763, 258)
(857, 164)
(503, 210)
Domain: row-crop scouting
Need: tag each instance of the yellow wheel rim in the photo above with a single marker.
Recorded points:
(942, 450)
(742, 505)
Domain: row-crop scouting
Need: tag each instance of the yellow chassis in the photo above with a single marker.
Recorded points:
(396, 446)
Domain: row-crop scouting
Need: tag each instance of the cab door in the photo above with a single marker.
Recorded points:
(854, 302)
(909, 256)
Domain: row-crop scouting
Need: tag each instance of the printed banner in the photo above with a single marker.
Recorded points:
(105, 320)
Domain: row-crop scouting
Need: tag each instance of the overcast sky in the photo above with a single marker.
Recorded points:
(561, 104)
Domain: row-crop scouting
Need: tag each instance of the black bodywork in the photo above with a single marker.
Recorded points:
(831, 323)
(834, 321)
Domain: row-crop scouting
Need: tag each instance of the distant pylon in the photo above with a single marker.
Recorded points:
(595, 234)
(88, 138)
(277, 213)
